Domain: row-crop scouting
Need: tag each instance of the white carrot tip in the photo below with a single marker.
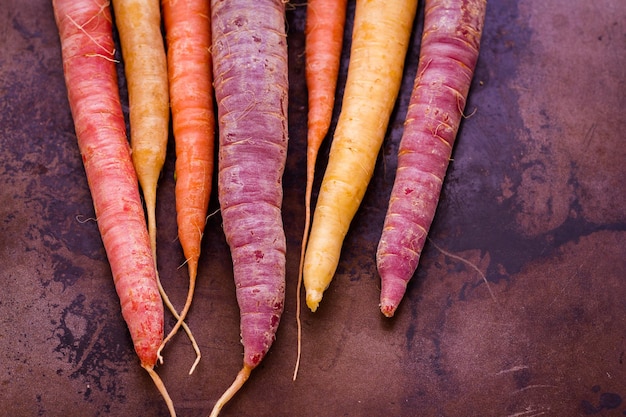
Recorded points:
(313, 298)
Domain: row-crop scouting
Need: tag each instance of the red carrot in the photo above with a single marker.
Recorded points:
(251, 83)
(188, 35)
(86, 35)
(325, 22)
(448, 55)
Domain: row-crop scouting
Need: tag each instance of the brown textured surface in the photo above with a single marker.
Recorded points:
(534, 205)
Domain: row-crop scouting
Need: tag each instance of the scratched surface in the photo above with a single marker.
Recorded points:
(517, 308)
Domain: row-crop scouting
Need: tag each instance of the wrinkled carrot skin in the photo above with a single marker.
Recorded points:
(251, 89)
(380, 41)
(448, 55)
(86, 35)
(145, 67)
(188, 34)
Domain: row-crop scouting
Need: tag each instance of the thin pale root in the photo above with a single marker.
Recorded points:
(179, 323)
(241, 378)
(158, 382)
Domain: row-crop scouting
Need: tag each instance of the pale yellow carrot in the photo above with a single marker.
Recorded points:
(145, 67)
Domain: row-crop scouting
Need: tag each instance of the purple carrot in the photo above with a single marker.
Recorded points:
(251, 88)
(448, 55)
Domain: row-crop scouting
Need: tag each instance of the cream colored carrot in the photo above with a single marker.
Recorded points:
(145, 67)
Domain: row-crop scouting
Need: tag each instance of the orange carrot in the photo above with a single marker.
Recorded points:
(325, 22)
(188, 36)
(86, 34)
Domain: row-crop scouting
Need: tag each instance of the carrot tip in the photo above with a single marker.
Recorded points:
(161, 387)
(313, 298)
(387, 308)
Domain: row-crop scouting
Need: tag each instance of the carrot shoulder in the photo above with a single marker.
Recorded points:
(251, 83)
(380, 41)
(448, 55)
(86, 34)
(188, 36)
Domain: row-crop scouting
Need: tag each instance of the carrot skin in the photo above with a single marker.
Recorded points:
(86, 35)
(448, 55)
(251, 88)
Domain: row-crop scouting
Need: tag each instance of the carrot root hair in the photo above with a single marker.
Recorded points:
(158, 382)
(179, 323)
(241, 378)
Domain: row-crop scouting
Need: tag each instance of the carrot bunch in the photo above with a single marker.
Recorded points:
(380, 40)
(236, 53)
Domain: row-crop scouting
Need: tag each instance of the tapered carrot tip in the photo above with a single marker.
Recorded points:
(391, 293)
(313, 298)
(161, 387)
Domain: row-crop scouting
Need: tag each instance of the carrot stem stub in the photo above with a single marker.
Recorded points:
(448, 55)
(251, 83)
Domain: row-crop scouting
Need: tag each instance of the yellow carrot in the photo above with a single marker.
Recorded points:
(380, 40)
(145, 67)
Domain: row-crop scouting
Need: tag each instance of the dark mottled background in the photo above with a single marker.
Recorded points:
(518, 307)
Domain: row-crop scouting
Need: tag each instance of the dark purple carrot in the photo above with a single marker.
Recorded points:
(448, 55)
(251, 89)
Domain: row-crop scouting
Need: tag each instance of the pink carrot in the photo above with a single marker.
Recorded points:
(448, 55)
(86, 35)
(251, 88)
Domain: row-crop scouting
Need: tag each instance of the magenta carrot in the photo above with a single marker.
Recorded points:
(325, 22)
(86, 35)
(448, 55)
(188, 36)
(251, 89)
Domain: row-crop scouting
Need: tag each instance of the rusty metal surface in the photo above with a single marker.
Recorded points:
(533, 210)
